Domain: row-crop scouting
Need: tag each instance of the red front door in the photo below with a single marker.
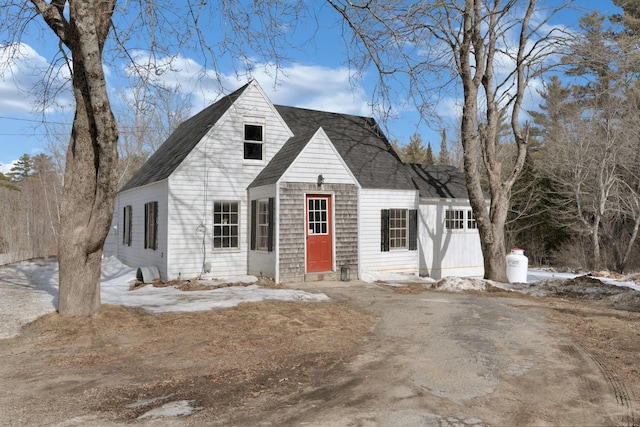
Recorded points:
(319, 234)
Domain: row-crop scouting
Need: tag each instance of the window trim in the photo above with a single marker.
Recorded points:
(454, 219)
(398, 225)
(222, 225)
(411, 233)
(257, 227)
(465, 220)
(151, 225)
(252, 141)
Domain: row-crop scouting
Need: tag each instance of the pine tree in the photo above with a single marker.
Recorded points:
(414, 151)
(429, 158)
(22, 169)
(444, 157)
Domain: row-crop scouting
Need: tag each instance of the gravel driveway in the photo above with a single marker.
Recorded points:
(462, 359)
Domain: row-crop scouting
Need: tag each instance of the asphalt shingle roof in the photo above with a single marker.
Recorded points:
(359, 141)
(438, 181)
(281, 161)
(184, 139)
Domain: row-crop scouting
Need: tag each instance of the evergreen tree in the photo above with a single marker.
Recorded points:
(444, 157)
(22, 169)
(414, 151)
(5, 181)
(429, 158)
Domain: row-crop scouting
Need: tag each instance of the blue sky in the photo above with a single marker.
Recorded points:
(316, 77)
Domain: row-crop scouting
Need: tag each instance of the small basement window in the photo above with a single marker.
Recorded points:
(253, 142)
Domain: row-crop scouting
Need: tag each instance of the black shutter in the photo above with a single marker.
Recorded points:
(155, 225)
(271, 224)
(384, 228)
(146, 225)
(413, 229)
(254, 222)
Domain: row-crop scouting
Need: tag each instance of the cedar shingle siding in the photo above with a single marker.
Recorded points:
(292, 227)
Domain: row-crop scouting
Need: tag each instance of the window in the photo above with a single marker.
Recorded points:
(262, 218)
(151, 225)
(226, 225)
(263, 225)
(253, 142)
(454, 219)
(399, 229)
(318, 219)
(126, 229)
(471, 221)
(460, 219)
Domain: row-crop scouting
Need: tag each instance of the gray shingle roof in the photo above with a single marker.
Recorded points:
(438, 181)
(359, 141)
(282, 160)
(184, 139)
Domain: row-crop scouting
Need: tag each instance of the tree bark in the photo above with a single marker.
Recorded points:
(89, 183)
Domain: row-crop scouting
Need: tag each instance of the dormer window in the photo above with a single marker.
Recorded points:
(253, 142)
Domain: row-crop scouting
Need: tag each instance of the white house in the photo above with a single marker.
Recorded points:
(247, 187)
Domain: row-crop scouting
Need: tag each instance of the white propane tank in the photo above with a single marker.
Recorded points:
(517, 265)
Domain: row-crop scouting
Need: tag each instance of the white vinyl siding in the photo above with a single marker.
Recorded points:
(319, 157)
(215, 170)
(263, 262)
(372, 258)
(135, 255)
(448, 252)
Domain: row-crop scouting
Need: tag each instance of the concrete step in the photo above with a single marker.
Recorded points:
(323, 276)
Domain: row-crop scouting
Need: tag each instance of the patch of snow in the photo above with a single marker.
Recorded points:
(214, 281)
(145, 402)
(29, 289)
(458, 284)
(394, 277)
(172, 409)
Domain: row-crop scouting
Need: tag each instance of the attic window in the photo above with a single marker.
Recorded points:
(253, 142)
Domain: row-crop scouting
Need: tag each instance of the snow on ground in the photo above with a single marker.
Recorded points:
(29, 290)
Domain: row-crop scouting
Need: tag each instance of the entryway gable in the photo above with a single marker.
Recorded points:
(319, 162)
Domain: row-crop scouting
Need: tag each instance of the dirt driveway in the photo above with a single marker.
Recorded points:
(376, 356)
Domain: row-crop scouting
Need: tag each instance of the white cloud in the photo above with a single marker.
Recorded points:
(5, 168)
(299, 85)
(22, 73)
(314, 87)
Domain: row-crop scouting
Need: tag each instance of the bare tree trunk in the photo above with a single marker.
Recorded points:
(630, 244)
(89, 186)
(476, 63)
